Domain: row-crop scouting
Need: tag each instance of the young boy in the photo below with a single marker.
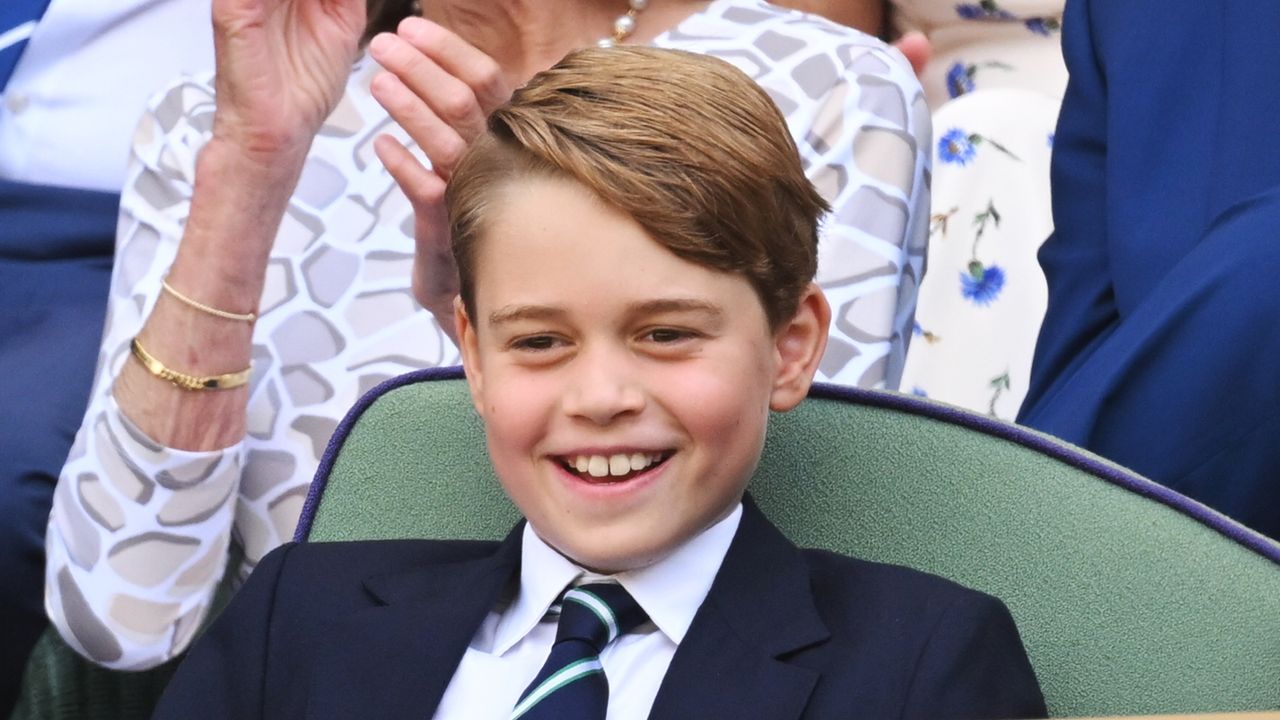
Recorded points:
(636, 243)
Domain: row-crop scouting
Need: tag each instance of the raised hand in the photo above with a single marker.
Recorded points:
(440, 89)
(282, 65)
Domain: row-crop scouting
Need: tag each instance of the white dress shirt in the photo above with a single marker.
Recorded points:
(514, 641)
(68, 114)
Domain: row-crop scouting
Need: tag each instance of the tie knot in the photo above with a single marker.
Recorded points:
(597, 614)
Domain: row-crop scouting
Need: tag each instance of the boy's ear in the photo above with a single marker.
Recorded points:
(468, 345)
(799, 345)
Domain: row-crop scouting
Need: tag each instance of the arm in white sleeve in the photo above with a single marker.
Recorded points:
(139, 532)
(867, 150)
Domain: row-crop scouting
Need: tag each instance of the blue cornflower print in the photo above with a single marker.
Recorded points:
(983, 10)
(982, 284)
(919, 392)
(1050, 141)
(956, 147)
(963, 78)
(959, 80)
(959, 147)
(1043, 26)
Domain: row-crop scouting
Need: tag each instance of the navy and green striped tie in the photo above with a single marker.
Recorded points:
(571, 685)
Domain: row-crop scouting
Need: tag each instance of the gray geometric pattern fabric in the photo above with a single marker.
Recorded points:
(139, 533)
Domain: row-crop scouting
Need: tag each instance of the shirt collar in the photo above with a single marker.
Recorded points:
(670, 590)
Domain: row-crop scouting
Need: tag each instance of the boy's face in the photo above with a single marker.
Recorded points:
(624, 390)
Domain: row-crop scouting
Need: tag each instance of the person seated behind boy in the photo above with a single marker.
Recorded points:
(636, 242)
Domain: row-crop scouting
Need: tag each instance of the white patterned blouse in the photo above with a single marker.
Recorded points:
(139, 533)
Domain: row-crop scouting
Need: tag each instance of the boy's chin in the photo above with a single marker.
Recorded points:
(629, 546)
(609, 563)
(606, 551)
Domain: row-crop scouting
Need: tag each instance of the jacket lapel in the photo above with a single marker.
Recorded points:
(760, 609)
(395, 658)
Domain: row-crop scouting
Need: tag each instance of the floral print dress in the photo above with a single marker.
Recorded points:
(995, 83)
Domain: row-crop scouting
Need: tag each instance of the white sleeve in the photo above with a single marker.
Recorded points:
(866, 147)
(138, 536)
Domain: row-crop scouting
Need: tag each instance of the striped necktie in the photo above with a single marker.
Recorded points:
(571, 685)
(17, 21)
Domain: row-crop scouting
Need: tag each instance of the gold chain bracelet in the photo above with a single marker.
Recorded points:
(244, 317)
(185, 381)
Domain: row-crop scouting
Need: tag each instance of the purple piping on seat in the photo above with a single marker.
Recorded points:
(892, 401)
(1058, 450)
(453, 372)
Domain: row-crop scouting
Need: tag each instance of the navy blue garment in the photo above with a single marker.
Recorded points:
(571, 685)
(377, 629)
(17, 19)
(1161, 348)
(55, 266)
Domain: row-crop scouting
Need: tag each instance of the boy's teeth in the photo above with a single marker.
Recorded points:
(615, 465)
(598, 466)
(619, 465)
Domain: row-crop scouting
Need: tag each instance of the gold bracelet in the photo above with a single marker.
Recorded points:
(247, 317)
(185, 381)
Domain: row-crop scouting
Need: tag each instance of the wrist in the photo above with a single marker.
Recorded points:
(253, 169)
(270, 148)
(237, 205)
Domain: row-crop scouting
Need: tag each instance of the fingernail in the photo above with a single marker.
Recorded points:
(410, 26)
(380, 43)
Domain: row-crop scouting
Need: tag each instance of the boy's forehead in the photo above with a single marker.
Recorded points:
(551, 245)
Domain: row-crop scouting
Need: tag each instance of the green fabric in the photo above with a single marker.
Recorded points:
(58, 684)
(1126, 606)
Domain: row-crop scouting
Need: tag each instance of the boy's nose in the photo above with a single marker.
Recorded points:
(603, 388)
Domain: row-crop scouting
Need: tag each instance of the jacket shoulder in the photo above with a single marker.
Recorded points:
(844, 585)
(934, 647)
(328, 576)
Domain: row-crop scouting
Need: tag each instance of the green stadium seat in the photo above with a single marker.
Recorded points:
(1130, 598)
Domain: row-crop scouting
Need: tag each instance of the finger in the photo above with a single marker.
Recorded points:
(435, 276)
(916, 48)
(439, 140)
(458, 58)
(421, 185)
(449, 98)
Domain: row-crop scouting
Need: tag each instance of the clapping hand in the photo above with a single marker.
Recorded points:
(440, 89)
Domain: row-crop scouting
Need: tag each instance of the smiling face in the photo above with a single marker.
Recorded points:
(624, 390)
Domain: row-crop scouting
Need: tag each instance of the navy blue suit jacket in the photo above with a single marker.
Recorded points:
(376, 629)
(1159, 346)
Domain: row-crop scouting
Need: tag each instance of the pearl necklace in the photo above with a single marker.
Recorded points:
(625, 25)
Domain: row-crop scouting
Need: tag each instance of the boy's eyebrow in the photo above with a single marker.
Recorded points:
(512, 313)
(665, 305)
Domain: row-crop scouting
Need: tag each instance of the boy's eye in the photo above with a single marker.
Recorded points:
(667, 335)
(535, 342)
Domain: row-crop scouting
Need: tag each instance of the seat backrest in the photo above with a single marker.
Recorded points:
(1130, 598)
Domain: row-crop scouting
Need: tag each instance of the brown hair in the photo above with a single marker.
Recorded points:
(384, 16)
(687, 145)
